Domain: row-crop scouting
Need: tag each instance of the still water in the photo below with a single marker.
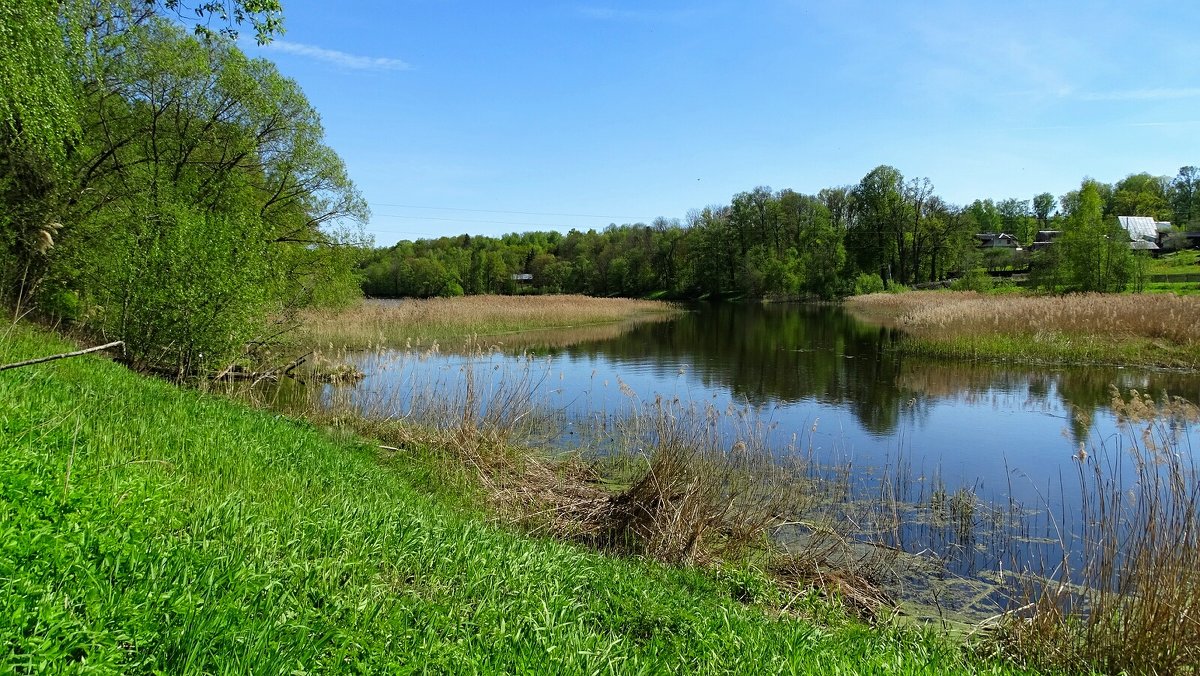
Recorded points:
(994, 427)
(808, 376)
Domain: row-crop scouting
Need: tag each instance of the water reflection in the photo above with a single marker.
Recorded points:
(783, 354)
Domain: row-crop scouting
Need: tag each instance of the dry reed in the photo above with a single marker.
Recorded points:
(1127, 599)
(396, 323)
(1166, 317)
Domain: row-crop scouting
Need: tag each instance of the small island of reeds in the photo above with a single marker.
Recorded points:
(1153, 330)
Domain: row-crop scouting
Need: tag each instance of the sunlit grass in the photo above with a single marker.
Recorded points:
(1131, 329)
(1176, 262)
(145, 528)
(395, 323)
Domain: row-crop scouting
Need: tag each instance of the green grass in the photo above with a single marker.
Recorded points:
(145, 528)
(1186, 261)
(1056, 348)
(1177, 288)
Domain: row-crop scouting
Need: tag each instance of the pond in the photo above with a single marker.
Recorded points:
(811, 376)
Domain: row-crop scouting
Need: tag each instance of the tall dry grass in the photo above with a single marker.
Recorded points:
(1137, 329)
(396, 323)
(1162, 317)
(1126, 598)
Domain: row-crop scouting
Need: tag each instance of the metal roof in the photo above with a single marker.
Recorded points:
(1140, 227)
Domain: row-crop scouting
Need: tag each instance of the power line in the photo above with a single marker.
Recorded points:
(469, 220)
(519, 213)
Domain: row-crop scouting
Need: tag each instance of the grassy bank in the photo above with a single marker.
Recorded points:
(1155, 330)
(447, 320)
(148, 528)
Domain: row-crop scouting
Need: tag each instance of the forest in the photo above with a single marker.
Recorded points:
(885, 231)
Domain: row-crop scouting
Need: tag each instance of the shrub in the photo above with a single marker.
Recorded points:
(868, 283)
(973, 280)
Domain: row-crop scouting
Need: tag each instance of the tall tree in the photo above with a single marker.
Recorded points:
(1043, 208)
(1184, 197)
(880, 212)
(1095, 251)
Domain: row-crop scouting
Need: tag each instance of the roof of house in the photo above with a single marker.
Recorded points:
(1139, 227)
(997, 240)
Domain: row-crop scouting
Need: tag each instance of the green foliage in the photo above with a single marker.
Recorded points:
(184, 289)
(198, 202)
(974, 279)
(1094, 250)
(37, 97)
(868, 283)
(1184, 197)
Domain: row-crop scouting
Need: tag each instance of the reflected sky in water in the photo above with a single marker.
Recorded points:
(988, 426)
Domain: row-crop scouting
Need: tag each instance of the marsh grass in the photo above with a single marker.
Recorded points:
(1125, 596)
(152, 529)
(455, 321)
(1129, 329)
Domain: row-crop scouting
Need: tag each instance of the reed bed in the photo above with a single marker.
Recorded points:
(1126, 599)
(1143, 329)
(396, 323)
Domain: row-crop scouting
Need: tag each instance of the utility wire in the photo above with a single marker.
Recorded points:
(462, 220)
(520, 213)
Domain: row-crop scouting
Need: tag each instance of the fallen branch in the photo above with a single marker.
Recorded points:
(39, 360)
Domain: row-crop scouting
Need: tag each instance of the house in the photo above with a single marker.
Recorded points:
(999, 240)
(1043, 239)
(523, 277)
(1145, 233)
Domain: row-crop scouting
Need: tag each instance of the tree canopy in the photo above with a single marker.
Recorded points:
(182, 196)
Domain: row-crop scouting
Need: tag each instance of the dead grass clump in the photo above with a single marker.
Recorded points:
(1127, 599)
(845, 585)
(695, 500)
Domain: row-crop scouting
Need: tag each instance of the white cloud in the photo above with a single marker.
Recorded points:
(1142, 94)
(353, 61)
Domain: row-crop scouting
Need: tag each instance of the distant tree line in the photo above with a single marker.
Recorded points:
(884, 231)
(159, 186)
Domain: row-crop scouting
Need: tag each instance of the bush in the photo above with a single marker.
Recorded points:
(973, 280)
(183, 290)
(868, 283)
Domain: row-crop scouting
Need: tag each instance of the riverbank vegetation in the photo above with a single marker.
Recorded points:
(458, 320)
(151, 528)
(1159, 330)
(162, 189)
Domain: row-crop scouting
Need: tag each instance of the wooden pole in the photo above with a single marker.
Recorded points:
(39, 360)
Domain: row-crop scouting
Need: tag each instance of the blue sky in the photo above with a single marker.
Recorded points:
(490, 117)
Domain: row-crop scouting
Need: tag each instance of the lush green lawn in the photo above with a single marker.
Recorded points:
(1176, 262)
(149, 528)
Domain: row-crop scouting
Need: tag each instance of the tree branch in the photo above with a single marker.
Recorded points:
(39, 360)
